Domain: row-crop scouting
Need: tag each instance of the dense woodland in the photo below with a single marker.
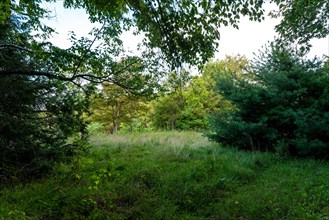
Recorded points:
(53, 100)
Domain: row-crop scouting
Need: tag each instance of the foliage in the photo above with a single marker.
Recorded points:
(280, 106)
(185, 31)
(190, 100)
(201, 96)
(302, 20)
(52, 79)
(87, 61)
(115, 106)
(200, 100)
(172, 175)
(137, 125)
(172, 27)
(37, 114)
(166, 110)
(34, 130)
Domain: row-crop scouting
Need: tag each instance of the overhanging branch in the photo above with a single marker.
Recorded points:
(2, 46)
(106, 77)
(86, 52)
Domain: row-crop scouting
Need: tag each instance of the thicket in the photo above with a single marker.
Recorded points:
(282, 105)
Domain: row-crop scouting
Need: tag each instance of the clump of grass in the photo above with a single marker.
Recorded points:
(172, 175)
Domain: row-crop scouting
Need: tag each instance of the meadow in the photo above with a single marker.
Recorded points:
(172, 175)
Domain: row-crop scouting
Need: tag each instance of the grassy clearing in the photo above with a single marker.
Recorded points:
(172, 175)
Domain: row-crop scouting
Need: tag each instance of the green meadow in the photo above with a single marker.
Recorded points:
(172, 175)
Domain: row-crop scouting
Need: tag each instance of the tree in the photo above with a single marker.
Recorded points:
(202, 98)
(114, 106)
(172, 26)
(36, 114)
(281, 105)
(166, 109)
(185, 31)
(302, 20)
(190, 100)
(198, 103)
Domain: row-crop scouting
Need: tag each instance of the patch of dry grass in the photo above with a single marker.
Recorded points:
(174, 139)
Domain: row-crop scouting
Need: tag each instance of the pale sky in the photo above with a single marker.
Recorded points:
(250, 37)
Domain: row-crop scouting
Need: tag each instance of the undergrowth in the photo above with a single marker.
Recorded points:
(172, 175)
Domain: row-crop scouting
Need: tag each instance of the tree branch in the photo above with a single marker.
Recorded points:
(71, 79)
(83, 56)
(19, 48)
(164, 30)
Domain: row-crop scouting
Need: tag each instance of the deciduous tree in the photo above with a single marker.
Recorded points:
(302, 20)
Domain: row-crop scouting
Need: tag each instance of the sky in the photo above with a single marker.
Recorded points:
(250, 37)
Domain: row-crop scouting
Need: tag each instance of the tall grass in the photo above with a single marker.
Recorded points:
(172, 175)
(155, 139)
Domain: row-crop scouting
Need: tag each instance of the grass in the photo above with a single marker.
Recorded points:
(172, 175)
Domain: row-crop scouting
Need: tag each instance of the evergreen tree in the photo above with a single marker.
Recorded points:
(281, 105)
(37, 114)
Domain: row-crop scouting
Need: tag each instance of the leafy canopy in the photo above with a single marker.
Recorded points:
(302, 20)
(184, 31)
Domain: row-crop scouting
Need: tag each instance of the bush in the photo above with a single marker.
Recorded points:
(282, 105)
